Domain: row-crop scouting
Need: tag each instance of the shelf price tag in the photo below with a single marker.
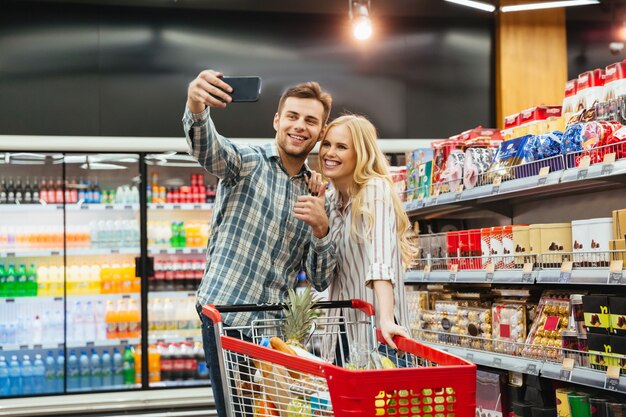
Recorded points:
(583, 167)
(611, 382)
(453, 271)
(607, 163)
(84, 207)
(115, 251)
(90, 344)
(527, 272)
(566, 271)
(426, 273)
(496, 185)
(419, 204)
(177, 207)
(489, 269)
(566, 370)
(531, 369)
(470, 356)
(497, 362)
(543, 175)
(459, 193)
(615, 271)
(109, 207)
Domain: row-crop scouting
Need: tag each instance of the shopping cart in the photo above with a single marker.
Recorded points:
(260, 381)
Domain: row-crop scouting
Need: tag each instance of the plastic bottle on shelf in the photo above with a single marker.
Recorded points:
(107, 369)
(169, 316)
(83, 284)
(116, 279)
(202, 371)
(94, 279)
(43, 283)
(85, 370)
(106, 284)
(55, 280)
(58, 324)
(4, 377)
(111, 319)
(137, 362)
(27, 375)
(134, 319)
(178, 362)
(39, 377)
(10, 283)
(50, 373)
(15, 376)
(20, 281)
(3, 282)
(191, 364)
(73, 372)
(95, 367)
(128, 276)
(46, 326)
(37, 330)
(101, 325)
(60, 371)
(89, 322)
(31, 280)
(166, 362)
(123, 319)
(77, 332)
(154, 364)
(128, 366)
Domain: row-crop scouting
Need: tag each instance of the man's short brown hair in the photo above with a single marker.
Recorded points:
(312, 90)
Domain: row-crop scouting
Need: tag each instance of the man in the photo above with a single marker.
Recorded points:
(257, 246)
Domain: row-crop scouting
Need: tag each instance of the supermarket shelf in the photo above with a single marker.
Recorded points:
(508, 276)
(102, 297)
(44, 346)
(103, 343)
(29, 208)
(124, 402)
(185, 206)
(102, 207)
(583, 376)
(171, 294)
(172, 384)
(177, 251)
(583, 276)
(120, 387)
(29, 300)
(175, 339)
(500, 198)
(25, 253)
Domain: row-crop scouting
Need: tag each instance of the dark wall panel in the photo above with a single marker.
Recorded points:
(124, 71)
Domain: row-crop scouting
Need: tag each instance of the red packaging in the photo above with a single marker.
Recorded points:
(475, 250)
(452, 241)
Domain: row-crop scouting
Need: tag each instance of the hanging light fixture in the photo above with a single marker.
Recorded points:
(359, 15)
(475, 4)
(546, 5)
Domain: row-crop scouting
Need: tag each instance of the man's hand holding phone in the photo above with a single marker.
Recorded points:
(213, 89)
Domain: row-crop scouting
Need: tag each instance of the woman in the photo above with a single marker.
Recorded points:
(367, 224)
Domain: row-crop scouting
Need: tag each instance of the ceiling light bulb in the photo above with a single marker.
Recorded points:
(362, 28)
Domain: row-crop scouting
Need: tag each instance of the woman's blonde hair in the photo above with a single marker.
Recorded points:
(371, 163)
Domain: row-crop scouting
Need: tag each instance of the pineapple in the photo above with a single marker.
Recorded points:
(299, 316)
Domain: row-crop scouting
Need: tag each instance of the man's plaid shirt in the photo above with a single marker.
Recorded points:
(256, 247)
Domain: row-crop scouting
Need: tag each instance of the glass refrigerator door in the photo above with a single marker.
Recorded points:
(180, 196)
(32, 320)
(103, 292)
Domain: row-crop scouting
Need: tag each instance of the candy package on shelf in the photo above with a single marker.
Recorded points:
(508, 155)
(474, 327)
(425, 327)
(543, 146)
(509, 327)
(453, 174)
(545, 337)
(477, 162)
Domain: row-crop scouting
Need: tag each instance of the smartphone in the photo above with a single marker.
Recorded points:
(244, 88)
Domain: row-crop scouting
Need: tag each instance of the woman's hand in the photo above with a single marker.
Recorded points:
(389, 329)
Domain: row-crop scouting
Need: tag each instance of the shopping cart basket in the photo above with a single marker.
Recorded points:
(260, 381)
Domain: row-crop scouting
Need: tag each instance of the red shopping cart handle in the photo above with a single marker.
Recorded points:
(214, 311)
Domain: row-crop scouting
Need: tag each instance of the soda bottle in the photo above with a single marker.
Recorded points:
(107, 369)
(118, 367)
(31, 280)
(4, 377)
(3, 282)
(154, 364)
(123, 319)
(137, 361)
(10, 283)
(128, 366)
(134, 319)
(50, 373)
(166, 362)
(111, 319)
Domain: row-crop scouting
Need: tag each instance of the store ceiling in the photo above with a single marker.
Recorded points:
(412, 8)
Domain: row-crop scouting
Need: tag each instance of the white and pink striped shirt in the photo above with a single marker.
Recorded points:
(377, 257)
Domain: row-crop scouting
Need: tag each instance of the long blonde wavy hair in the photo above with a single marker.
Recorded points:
(371, 163)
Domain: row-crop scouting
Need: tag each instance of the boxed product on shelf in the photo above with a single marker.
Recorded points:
(617, 314)
(597, 317)
(491, 394)
(441, 150)
(508, 248)
(618, 346)
(619, 246)
(474, 248)
(485, 245)
(569, 101)
(511, 123)
(425, 327)
(592, 235)
(542, 119)
(453, 248)
(508, 155)
(453, 174)
(599, 346)
(614, 81)
(562, 403)
(543, 146)
(474, 327)
(416, 302)
(477, 163)
(438, 250)
(496, 250)
(509, 327)
(521, 244)
(544, 339)
(619, 224)
(589, 88)
(425, 172)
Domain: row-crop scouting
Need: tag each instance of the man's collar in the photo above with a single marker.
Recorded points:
(272, 153)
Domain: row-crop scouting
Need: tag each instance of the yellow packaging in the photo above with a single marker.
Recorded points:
(619, 224)
(521, 243)
(534, 238)
(556, 237)
(562, 403)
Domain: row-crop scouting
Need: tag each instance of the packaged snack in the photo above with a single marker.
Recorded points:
(596, 314)
(545, 337)
(474, 327)
(509, 328)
